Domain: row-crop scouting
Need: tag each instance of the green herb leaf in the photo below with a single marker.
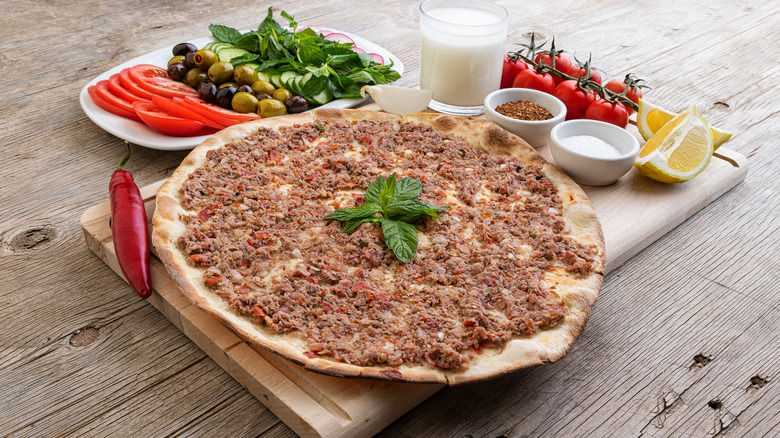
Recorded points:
(387, 192)
(354, 224)
(407, 188)
(397, 202)
(401, 238)
(373, 190)
(359, 212)
(410, 210)
(224, 34)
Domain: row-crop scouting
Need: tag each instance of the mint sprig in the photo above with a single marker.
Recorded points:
(396, 201)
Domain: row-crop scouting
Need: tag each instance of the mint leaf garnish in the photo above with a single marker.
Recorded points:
(396, 201)
(401, 237)
(361, 211)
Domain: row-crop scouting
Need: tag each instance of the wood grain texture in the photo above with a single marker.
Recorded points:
(682, 342)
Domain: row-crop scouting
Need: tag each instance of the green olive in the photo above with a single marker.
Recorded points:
(228, 84)
(271, 108)
(195, 76)
(205, 58)
(282, 94)
(221, 72)
(245, 75)
(177, 60)
(244, 102)
(263, 87)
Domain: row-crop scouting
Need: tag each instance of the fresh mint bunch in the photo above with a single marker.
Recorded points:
(333, 65)
(397, 203)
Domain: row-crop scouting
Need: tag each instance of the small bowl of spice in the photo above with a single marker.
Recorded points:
(529, 114)
(592, 152)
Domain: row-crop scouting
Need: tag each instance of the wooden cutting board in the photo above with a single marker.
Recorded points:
(634, 212)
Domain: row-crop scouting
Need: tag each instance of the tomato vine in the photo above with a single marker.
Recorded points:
(535, 56)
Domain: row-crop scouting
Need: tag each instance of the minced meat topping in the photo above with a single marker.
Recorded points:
(256, 228)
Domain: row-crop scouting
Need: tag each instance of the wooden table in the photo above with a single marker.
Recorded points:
(682, 342)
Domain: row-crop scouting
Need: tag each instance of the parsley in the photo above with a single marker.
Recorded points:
(332, 65)
(397, 203)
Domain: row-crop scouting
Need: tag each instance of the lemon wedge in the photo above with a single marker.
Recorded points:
(679, 151)
(398, 100)
(650, 118)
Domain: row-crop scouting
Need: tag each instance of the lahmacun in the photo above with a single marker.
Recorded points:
(503, 280)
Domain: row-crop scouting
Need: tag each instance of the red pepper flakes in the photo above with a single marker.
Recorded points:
(524, 110)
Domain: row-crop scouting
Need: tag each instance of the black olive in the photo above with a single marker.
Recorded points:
(245, 88)
(296, 104)
(189, 60)
(207, 91)
(262, 96)
(182, 49)
(177, 71)
(225, 97)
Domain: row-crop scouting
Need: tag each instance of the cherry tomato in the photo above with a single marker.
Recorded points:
(129, 84)
(117, 89)
(510, 70)
(107, 106)
(609, 112)
(155, 80)
(575, 98)
(530, 78)
(562, 64)
(182, 111)
(633, 94)
(165, 123)
(579, 71)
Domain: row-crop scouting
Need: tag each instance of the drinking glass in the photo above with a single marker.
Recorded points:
(462, 52)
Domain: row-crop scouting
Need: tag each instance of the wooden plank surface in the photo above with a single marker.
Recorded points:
(315, 405)
(682, 342)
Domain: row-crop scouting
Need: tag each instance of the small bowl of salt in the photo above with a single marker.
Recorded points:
(592, 152)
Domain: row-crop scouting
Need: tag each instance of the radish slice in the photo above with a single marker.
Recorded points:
(339, 37)
(358, 50)
(377, 58)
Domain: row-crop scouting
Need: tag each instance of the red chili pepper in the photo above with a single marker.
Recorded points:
(129, 229)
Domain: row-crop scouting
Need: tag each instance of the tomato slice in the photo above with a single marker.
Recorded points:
(203, 111)
(107, 106)
(178, 110)
(165, 123)
(206, 111)
(130, 85)
(107, 95)
(156, 81)
(117, 89)
(230, 114)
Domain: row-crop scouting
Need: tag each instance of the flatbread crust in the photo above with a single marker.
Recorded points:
(545, 346)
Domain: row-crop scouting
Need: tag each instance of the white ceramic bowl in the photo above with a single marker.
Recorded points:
(535, 133)
(588, 169)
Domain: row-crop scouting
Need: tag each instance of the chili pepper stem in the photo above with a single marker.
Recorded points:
(127, 157)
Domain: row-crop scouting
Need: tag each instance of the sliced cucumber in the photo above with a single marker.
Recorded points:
(254, 65)
(263, 75)
(276, 80)
(295, 84)
(324, 97)
(214, 46)
(228, 53)
(287, 77)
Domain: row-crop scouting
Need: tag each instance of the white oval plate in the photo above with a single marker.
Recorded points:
(140, 134)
